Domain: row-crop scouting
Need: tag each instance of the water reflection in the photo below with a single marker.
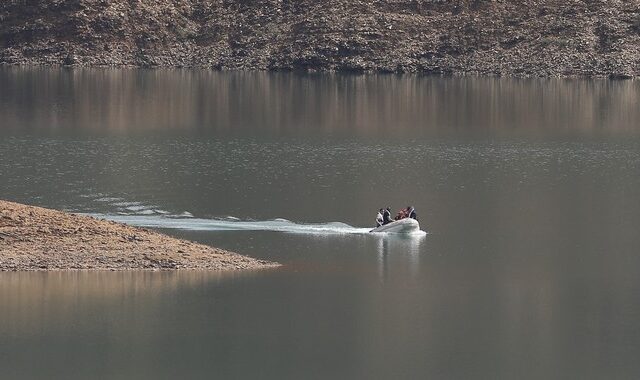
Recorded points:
(408, 247)
(531, 270)
(56, 296)
(134, 101)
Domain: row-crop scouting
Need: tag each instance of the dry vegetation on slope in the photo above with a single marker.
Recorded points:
(490, 37)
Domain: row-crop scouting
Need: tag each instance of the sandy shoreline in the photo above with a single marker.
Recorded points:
(39, 239)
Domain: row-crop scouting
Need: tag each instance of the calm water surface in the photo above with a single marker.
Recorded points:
(529, 191)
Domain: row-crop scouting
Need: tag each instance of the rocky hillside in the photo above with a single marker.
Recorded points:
(489, 37)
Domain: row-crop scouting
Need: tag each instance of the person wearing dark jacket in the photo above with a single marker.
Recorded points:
(386, 216)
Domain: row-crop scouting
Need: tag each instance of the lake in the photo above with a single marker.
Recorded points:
(529, 191)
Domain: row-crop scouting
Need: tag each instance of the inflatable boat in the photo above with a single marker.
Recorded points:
(402, 226)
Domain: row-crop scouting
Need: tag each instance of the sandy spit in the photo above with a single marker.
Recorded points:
(40, 239)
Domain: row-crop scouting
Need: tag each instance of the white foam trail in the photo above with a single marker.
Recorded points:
(199, 224)
(109, 199)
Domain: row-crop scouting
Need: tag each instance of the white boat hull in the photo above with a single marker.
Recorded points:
(402, 226)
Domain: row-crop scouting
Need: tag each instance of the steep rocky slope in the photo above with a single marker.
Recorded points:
(494, 37)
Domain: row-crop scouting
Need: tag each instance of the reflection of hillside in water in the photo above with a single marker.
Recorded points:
(30, 299)
(107, 100)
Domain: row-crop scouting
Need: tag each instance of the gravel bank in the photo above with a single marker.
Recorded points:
(34, 238)
(521, 38)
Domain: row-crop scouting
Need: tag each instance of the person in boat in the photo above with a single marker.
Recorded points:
(386, 216)
(379, 218)
(408, 212)
(401, 214)
(412, 213)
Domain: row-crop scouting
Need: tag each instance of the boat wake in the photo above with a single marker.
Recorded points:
(181, 222)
